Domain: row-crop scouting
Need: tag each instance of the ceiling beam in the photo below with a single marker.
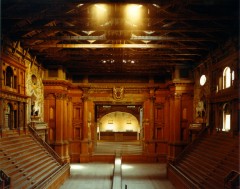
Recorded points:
(103, 37)
(97, 46)
(82, 28)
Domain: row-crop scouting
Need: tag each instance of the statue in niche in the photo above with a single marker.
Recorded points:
(34, 109)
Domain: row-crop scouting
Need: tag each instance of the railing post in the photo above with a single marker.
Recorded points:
(5, 180)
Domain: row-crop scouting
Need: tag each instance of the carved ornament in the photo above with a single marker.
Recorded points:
(118, 93)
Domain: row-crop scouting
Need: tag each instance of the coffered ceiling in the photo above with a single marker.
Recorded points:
(139, 38)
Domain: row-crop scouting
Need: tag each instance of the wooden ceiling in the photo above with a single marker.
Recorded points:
(71, 33)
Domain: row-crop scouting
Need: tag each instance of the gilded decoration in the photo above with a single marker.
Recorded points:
(118, 93)
(34, 89)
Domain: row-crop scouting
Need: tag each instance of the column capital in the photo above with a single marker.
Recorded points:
(60, 96)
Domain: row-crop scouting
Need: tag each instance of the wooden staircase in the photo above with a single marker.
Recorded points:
(207, 163)
(27, 162)
(107, 147)
(105, 151)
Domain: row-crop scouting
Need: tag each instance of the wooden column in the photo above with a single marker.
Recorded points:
(2, 118)
(70, 118)
(65, 129)
(61, 143)
(175, 126)
(148, 123)
(86, 140)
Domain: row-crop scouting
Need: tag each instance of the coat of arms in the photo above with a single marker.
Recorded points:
(118, 93)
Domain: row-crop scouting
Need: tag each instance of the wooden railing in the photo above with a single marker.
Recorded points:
(232, 180)
(49, 180)
(5, 180)
(184, 178)
(189, 146)
(117, 172)
(47, 147)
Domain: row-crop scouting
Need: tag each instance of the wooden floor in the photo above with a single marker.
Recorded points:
(99, 176)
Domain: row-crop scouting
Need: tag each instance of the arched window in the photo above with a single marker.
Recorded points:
(226, 117)
(227, 78)
(9, 77)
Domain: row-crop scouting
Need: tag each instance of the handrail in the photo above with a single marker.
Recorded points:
(47, 147)
(191, 184)
(1, 131)
(117, 172)
(5, 181)
(189, 146)
(48, 180)
(232, 178)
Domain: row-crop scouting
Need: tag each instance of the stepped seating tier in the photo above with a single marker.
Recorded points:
(208, 161)
(26, 161)
(106, 147)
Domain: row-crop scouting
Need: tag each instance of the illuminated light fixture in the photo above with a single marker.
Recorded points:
(100, 13)
(133, 13)
(155, 5)
(91, 41)
(130, 106)
(203, 80)
(149, 32)
(111, 61)
(88, 32)
(106, 106)
(129, 122)
(79, 5)
(101, 7)
(146, 42)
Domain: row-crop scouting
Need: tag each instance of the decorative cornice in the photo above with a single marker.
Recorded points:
(63, 83)
(11, 60)
(13, 96)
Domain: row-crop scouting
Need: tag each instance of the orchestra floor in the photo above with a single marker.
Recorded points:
(99, 176)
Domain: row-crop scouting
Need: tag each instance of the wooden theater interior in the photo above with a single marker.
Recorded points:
(82, 79)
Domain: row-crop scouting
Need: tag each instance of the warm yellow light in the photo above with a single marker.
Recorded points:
(100, 12)
(77, 167)
(133, 13)
(101, 7)
(227, 122)
(118, 161)
(125, 166)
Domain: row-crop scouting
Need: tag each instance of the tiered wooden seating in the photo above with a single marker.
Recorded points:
(208, 162)
(26, 161)
(105, 151)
